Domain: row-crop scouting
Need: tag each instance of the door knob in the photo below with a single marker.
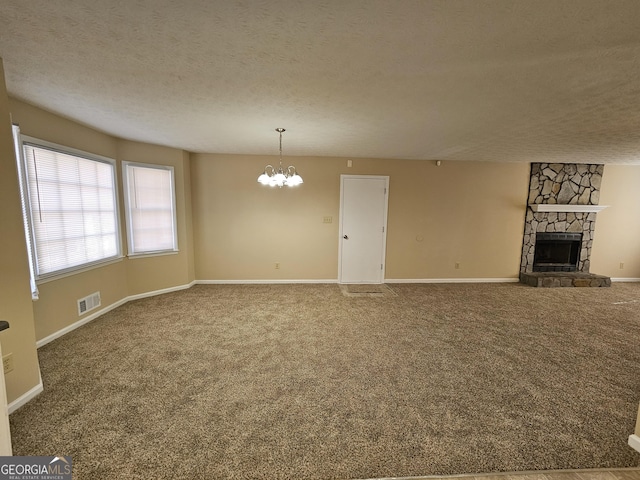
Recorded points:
(346, 237)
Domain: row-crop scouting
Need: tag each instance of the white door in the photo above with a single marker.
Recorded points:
(363, 225)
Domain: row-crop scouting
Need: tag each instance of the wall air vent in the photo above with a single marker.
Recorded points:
(88, 303)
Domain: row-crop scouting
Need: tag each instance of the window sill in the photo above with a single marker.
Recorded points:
(133, 256)
(69, 273)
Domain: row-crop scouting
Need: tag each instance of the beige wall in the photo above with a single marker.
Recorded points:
(57, 306)
(638, 423)
(471, 213)
(43, 125)
(188, 216)
(466, 212)
(244, 228)
(15, 293)
(618, 226)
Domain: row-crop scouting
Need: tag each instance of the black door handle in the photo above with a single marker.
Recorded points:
(346, 237)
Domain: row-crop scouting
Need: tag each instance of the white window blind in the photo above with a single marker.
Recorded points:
(72, 209)
(24, 201)
(151, 213)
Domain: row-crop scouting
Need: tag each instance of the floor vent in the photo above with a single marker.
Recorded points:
(88, 303)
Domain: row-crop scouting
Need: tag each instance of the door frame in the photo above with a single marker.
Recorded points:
(385, 213)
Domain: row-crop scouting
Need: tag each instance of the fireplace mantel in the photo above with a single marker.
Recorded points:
(554, 207)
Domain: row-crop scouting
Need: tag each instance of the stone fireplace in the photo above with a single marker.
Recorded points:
(560, 225)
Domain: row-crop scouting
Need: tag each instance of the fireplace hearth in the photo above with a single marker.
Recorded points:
(557, 252)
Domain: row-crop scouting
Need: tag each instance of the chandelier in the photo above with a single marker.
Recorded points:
(280, 177)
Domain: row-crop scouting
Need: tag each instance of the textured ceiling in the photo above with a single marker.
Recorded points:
(491, 80)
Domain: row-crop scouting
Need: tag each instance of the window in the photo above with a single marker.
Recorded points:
(150, 208)
(71, 210)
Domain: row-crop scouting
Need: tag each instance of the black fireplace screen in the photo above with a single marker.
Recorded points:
(557, 252)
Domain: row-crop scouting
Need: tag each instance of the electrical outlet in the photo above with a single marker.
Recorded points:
(7, 363)
(621, 265)
(327, 219)
(457, 265)
(277, 265)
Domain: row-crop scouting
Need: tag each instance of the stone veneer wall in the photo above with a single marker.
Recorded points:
(567, 184)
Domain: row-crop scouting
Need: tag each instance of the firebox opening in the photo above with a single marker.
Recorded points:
(557, 252)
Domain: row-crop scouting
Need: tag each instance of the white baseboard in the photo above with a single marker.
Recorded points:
(624, 279)
(26, 397)
(79, 323)
(263, 282)
(106, 309)
(634, 442)
(160, 292)
(452, 280)
(387, 280)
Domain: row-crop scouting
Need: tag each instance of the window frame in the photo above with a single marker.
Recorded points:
(129, 217)
(26, 196)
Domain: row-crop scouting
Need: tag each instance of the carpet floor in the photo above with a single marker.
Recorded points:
(303, 382)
